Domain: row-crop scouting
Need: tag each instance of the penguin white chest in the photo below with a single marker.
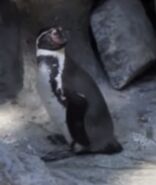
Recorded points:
(56, 111)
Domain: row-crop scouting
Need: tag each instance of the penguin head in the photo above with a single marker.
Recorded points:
(52, 39)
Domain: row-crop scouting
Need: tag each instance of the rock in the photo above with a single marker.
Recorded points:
(22, 169)
(10, 63)
(133, 111)
(125, 40)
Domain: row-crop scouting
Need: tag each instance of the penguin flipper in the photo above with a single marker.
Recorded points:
(76, 109)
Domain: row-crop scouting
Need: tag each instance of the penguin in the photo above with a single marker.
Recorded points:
(72, 98)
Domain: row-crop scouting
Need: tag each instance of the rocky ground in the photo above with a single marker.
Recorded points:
(24, 127)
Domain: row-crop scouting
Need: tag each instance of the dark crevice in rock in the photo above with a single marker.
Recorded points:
(94, 45)
(11, 69)
(146, 76)
(149, 6)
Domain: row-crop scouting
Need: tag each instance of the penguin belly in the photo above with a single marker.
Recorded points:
(55, 110)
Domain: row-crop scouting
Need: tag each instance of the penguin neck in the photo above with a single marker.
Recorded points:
(59, 54)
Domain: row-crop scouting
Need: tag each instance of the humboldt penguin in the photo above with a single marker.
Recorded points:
(72, 98)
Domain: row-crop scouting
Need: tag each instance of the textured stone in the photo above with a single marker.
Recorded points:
(125, 39)
(22, 169)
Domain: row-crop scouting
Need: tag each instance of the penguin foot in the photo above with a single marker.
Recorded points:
(109, 150)
(75, 150)
(57, 139)
(57, 155)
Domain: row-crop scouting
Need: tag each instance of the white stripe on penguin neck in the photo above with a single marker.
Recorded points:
(60, 55)
(45, 52)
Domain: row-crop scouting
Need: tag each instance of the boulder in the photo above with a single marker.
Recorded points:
(125, 39)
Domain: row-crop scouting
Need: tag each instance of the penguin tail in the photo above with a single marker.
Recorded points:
(113, 148)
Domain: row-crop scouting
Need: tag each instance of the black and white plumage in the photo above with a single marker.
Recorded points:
(72, 98)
